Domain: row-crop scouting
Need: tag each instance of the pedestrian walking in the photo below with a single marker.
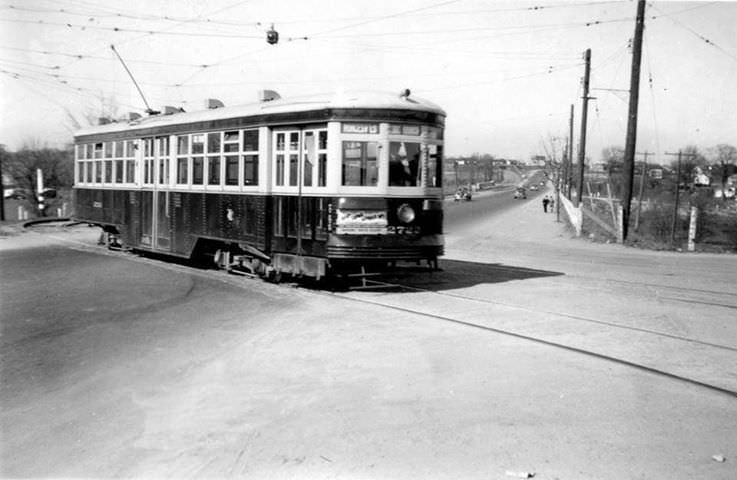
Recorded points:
(546, 201)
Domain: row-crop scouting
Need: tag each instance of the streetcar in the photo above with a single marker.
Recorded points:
(305, 187)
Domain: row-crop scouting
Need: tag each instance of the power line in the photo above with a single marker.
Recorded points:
(384, 17)
(697, 34)
(525, 28)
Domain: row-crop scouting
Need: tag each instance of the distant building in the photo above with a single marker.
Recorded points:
(538, 160)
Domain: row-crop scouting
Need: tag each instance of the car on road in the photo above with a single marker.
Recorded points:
(462, 194)
(520, 193)
(533, 188)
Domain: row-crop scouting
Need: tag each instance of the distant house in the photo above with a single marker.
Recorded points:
(700, 178)
(655, 173)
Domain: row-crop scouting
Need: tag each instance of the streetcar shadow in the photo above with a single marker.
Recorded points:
(451, 275)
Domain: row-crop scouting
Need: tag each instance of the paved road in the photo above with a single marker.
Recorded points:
(118, 366)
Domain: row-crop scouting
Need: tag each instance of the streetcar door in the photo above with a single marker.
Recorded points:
(147, 193)
(161, 215)
(301, 162)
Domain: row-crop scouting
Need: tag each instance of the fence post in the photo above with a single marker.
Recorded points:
(692, 230)
(611, 205)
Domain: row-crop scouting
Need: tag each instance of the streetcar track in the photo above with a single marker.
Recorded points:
(591, 353)
(562, 314)
(226, 278)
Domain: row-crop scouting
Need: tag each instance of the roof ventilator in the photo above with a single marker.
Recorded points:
(212, 103)
(268, 95)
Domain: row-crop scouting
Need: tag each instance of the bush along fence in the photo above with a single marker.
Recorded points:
(698, 221)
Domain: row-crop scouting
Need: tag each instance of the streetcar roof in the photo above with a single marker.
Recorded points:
(352, 100)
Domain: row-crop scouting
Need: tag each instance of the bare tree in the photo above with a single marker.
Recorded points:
(104, 106)
(57, 167)
(725, 157)
(690, 159)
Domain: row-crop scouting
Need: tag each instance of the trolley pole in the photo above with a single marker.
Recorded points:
(629, 148)
(584, 112)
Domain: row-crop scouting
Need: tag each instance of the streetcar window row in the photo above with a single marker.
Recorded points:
(231, 158)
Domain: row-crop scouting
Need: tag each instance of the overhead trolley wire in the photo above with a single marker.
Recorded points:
(130, 30)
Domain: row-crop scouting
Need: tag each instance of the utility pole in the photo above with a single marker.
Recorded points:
(584, 112)
(569, 170)
(642, 188)
(629, 148)
(2, 187)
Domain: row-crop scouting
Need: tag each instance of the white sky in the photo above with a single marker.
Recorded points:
(505, 72)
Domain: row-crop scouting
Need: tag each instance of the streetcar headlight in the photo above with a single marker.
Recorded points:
(405, 213)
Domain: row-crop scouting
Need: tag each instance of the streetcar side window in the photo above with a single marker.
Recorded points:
(250, 157)
(309, 158)
(197, 170)
(130, 162)
(404, 163)
(359, 163)
(293, 166)
(118, 171)
(279, 169)
(213, 176)
(198, 144)
(231, 169)
(182, 170)
(250, 169)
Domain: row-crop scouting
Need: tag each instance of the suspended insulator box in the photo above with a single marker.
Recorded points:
(272, 36)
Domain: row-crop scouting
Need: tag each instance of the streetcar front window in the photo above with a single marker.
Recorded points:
(359, 164)
(435, 166)
(404, 163)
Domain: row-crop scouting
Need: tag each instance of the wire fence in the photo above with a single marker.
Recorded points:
(663, 215)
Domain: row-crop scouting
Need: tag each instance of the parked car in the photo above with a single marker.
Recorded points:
(520, 193)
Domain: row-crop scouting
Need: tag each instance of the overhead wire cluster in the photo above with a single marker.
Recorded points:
(430, 41)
